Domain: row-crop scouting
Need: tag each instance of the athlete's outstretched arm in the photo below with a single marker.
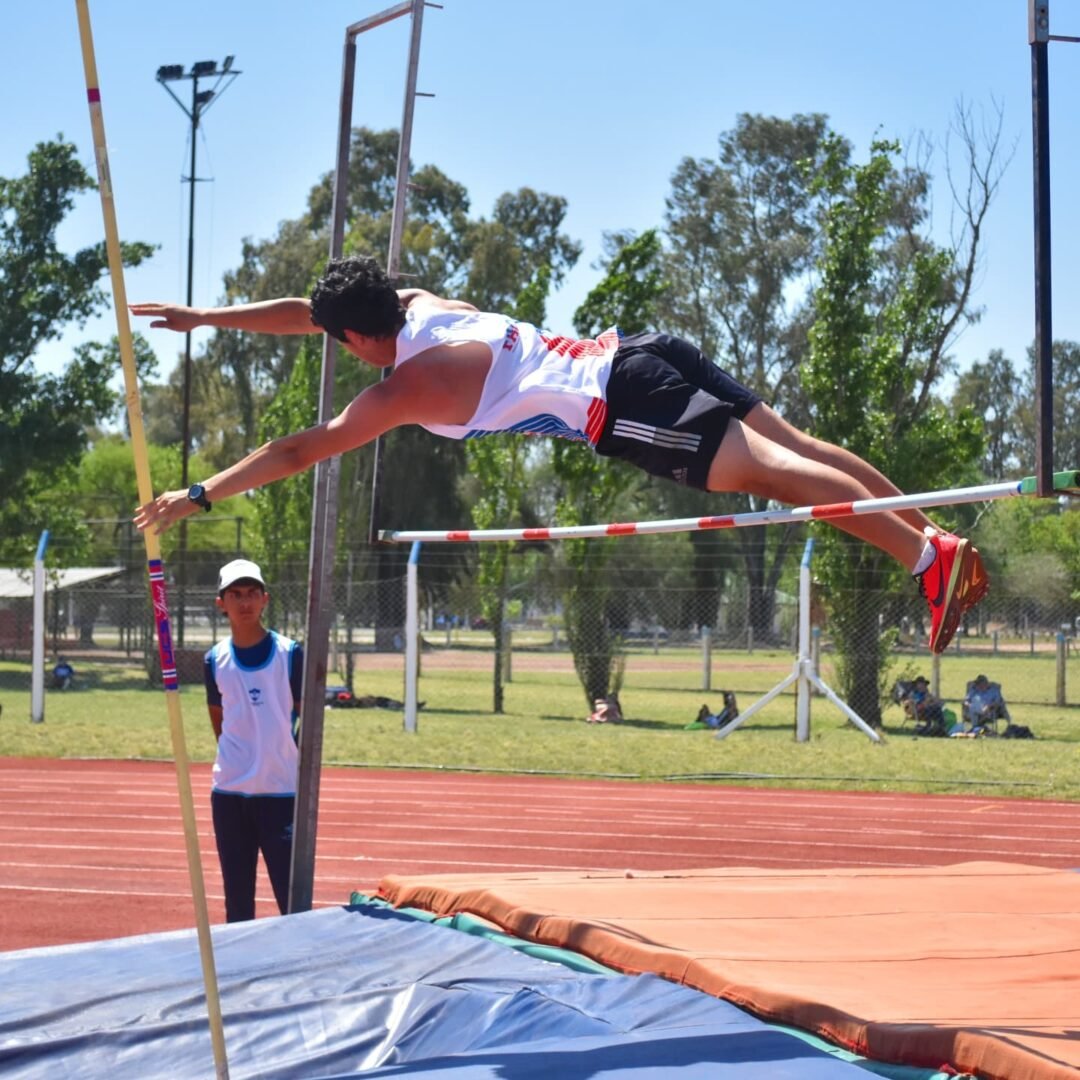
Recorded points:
(420, 392)
(289, 315)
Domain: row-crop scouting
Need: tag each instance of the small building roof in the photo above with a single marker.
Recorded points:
(18, 584)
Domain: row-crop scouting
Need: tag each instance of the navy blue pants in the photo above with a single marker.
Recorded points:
(244, 825)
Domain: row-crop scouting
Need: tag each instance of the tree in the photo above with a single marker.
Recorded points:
(989, 390)
(741, 236)
(1066, 359)
(877, 348)
(44, 418)
(521, 241)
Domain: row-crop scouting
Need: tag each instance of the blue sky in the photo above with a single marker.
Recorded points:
(594, 100)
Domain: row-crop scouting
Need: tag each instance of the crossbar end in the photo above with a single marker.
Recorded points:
(1065, 483)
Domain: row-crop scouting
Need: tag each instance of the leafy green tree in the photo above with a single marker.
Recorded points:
(629, 293)
(741, 232)
(44, 419)
(1066, 360)
(520, 241)
(989, 390)
(875, 354)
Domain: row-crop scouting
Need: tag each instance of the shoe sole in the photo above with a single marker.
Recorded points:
(968, 584)
(976, 582)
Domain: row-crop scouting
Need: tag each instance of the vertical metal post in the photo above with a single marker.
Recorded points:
(706, 658)
(802, 687)
(412, 637)
(1061, 652)
(37, 644)
(401, 186)
(1038, 37)
(323, 527)
(397, 225)
(325, 512)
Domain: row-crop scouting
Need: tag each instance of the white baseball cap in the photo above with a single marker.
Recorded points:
(239, 570)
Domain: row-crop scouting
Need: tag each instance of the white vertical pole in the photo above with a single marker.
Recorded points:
(706, 658)
(37, 647)
(802, 688)
(412, 637)
(1060, 668)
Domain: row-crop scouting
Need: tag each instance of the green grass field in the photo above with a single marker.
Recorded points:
(115, 713)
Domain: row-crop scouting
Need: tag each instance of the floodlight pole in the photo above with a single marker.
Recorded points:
(325, 505)
(200, 102)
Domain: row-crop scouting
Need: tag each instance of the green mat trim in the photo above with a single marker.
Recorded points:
(468, 924)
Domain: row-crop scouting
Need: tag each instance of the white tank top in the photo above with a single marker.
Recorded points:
(537, 385)
(256, 754)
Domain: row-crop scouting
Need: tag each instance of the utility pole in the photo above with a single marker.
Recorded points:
(201, 100)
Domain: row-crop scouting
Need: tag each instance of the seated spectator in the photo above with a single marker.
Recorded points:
(924, 708)
(983, 704)
(63, 675)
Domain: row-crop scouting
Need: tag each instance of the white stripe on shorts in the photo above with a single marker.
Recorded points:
(674, 440)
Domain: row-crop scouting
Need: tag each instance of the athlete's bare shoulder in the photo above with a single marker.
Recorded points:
(421, 297)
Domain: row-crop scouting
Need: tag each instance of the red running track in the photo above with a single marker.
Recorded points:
(95, 849)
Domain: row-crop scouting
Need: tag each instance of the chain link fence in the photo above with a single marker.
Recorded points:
(642, 605)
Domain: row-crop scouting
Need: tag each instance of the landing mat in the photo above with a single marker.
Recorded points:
(971, 967)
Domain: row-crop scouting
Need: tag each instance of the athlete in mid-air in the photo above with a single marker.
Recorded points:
(650, 399)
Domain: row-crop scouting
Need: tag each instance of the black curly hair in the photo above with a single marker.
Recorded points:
(355, 294)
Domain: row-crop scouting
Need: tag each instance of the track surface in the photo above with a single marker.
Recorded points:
(94, 849)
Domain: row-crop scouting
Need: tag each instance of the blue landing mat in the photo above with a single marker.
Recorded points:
(344, 991)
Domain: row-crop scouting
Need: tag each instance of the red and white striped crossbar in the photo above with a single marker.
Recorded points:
(1063, 482)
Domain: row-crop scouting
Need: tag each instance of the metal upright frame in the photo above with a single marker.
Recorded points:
(804, 676)
(325, 504)
(1039, 37)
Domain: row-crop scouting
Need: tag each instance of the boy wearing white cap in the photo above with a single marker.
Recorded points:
(253, 681)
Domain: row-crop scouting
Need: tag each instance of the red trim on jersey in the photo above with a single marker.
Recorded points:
(832, 510)
(605, 342)
(595, 420)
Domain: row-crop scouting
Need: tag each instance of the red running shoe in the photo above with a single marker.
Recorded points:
(953, 583)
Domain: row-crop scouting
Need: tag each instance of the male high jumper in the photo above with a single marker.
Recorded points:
(650, 399)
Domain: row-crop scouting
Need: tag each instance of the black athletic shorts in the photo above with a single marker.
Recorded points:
(668, 408)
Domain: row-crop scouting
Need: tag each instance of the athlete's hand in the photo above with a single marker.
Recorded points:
(169, 316)
(164, 511)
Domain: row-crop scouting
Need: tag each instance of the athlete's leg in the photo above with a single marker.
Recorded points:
(765, 421)
(757, 465)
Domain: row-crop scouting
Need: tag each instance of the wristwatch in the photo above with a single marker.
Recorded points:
(197, 495)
